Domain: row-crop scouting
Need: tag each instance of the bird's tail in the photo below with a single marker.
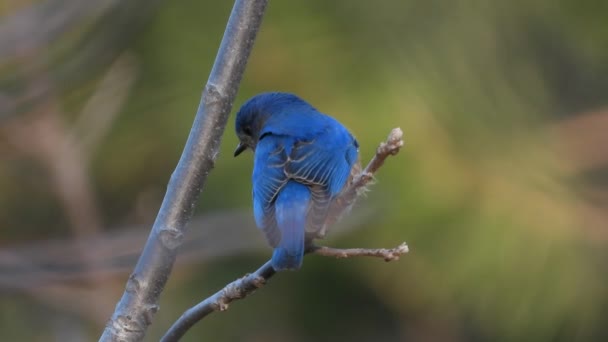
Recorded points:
(290, 208)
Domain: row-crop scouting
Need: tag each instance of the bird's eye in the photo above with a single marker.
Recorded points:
(247, 130)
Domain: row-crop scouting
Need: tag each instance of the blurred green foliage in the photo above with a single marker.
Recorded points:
(500, 248)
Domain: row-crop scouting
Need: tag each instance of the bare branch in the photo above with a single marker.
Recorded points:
(139, 303)
(238, 289)
(104, 105)
(245, 286)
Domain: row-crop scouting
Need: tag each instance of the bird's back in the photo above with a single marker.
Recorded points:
(303, 159)
(317, 151)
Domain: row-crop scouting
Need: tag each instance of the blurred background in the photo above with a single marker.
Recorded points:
(501, 191)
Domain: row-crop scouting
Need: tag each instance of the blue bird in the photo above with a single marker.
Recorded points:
(302, 161)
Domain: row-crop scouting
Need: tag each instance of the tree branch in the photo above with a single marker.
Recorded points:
(139, 303)
(238, 289)
(246, 285)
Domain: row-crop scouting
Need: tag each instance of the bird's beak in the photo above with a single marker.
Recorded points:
(239, 148)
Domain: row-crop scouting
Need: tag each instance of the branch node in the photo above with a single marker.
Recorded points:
(258, 281)
(149, 313)
(171, 238)
(232, 291)
(395, 253)
(214, 95)
(221, 305)
(133, 284)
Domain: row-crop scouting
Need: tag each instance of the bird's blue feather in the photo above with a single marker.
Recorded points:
(268, 179)
(291, 206)
(303, 159)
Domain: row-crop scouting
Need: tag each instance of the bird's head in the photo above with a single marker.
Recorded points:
(252, 116)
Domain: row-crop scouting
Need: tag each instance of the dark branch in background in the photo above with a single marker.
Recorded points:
(139, 303)
(86, 36)
(35, 126)
(246, 285)
(48, 270)
(40, 265)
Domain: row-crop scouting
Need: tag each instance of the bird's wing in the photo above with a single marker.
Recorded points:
(324, 163)
(268, 178)
(320, 161)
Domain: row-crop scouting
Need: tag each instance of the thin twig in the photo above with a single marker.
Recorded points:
(245, 286)
(391, 254)
(363, 178)
(139, 303)
(391, 147)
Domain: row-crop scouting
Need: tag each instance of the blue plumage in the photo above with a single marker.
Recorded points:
(291, 207)
(303, 159)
